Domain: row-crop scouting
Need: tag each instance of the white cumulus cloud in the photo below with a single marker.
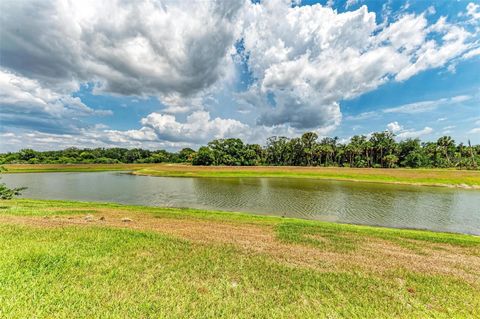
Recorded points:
(199, 127)
(24, 101)
(129, 48)
(303, 61)
(319, 57)
(394, 127)
(402, 133)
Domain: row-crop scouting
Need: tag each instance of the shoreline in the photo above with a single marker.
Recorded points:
(135, 260)
(451, 178)
(340, 179)
(232, 215)
(226, 215)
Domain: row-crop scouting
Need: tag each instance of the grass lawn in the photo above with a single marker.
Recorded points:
(432, 177)
(70, 259)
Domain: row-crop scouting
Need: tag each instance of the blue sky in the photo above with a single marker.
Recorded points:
(169, 75)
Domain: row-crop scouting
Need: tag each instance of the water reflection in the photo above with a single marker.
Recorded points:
(432, 208)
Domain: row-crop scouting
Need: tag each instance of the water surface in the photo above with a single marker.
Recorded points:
(404, 206)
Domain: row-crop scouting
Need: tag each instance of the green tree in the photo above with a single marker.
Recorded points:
(186, 155)
(204, 156)
(358, 148)
(411, 154)
(8, 193)
(390, 160)
(26, 154)
(253, 155)
(227, 151)
(447, 146)
(309, 142)
(329, 149)
(383, 144)
(277, 150)
(380, 150)
(295, 152)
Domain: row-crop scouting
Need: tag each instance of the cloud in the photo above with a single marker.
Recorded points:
(175, 103)
(417, 107)
(25, 102)
(157, 131)
(84, 138)
(414, 134)
(429, 105)
(320, 57)
(474, 130)
(472, 53)
(429, 53)
(402, 133)
(413, 108)
(448, 129)
(181, 52)
(394, 127)
(362, 116)
(473, 10)
(350, 3)
(199, 127)
(127, 48)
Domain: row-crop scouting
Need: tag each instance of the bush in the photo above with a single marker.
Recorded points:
(9, 193)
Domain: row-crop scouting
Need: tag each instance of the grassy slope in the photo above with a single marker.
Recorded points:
(437, 177)
(191, 263)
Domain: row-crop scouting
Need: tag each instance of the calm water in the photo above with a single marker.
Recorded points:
(434, 208)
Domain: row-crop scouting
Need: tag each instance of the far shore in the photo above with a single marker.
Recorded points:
(466, 179)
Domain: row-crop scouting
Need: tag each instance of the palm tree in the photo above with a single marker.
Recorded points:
(309, 141)
(445, 143)
(384, 144)
(474, 164)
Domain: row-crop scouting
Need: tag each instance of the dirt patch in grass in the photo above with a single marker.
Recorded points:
(452, 261)
(371, 255)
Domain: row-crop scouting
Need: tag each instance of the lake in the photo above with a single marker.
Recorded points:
(402, 206)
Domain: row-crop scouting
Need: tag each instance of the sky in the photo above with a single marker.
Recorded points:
(174, 74)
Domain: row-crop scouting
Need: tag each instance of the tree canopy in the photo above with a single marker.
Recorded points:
(378, 150)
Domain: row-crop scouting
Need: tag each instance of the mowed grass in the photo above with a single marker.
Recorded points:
(431, 177)
(184, 263)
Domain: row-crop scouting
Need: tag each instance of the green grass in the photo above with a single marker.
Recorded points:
(428, 177)
(106, 272)
(118, 273)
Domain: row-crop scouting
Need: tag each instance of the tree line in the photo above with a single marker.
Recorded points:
(114, 155)
(379, 150)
